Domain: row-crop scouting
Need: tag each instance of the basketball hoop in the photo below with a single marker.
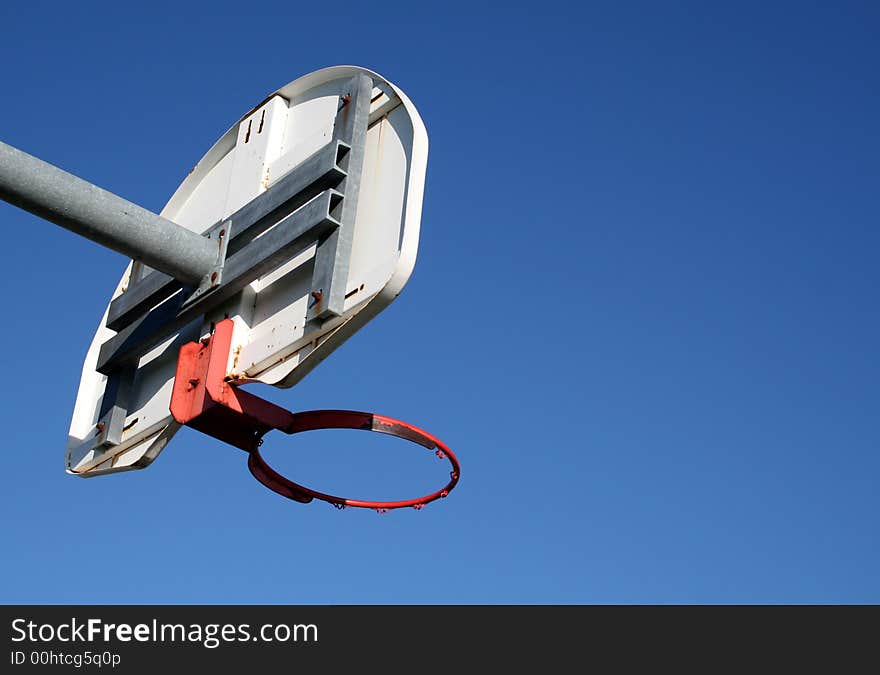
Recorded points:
(205, 400)
(350, 419)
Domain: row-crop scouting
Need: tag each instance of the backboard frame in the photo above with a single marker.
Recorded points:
(317, 198)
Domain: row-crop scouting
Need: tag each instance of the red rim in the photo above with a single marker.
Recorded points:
(351, 419)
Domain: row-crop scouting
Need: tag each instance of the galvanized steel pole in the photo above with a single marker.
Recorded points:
(105, 218)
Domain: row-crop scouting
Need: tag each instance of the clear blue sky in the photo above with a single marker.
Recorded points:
(644, 312)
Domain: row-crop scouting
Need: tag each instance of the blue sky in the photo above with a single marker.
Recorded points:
(644, 312)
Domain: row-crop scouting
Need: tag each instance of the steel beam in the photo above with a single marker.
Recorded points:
(333, 256)
(317, 173)
(294, 233)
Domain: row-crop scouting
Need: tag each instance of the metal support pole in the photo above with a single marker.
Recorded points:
(103, 217)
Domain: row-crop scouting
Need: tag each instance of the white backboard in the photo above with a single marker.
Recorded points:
(276, 340)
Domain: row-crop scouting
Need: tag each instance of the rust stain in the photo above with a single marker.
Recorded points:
(342, 110)
(377, 164)
(262, 103)
(317, 296)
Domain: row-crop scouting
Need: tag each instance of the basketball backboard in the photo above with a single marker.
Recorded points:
(314, 199)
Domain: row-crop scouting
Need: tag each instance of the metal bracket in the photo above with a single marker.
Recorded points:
(315, 203)
(222, 234)
(333, 256)
(111, 422)
(204, 400)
